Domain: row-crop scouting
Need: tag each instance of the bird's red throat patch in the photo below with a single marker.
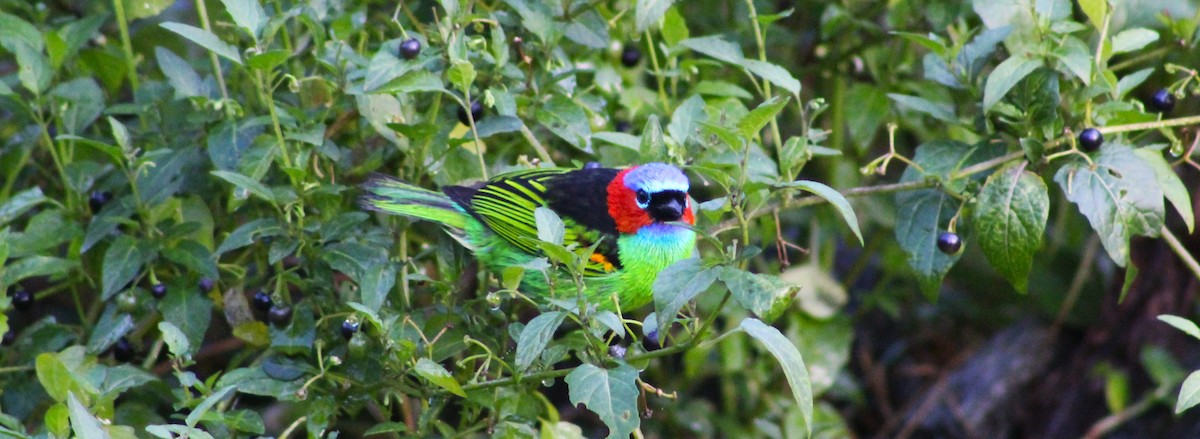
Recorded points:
(623, 208)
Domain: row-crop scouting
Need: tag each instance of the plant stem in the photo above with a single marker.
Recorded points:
(759, 39)
(1184, 255)
(202, 10)
(126, 45)
(658, 76)
(1082, 273)
(1167, 123)
(537, 146)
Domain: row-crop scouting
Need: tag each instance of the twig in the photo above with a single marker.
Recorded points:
(1081, 275)
(1184, 255)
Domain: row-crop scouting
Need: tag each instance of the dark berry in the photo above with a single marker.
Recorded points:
(262, 301)
(280, 315)
(205, 284)
(410, 48)
(651, 343)
(592, 165)
(22, 300)
(1162, 101)
(158, 290)
(949, 243)
(123, 350)
(630, 55)
(9, 337)
(476, 113)
(623, 126)
(1090, 139)
(349, 327)
(98, 199)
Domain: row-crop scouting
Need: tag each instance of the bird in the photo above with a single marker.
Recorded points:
(639, 220)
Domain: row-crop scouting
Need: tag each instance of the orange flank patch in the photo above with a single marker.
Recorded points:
(600, 259)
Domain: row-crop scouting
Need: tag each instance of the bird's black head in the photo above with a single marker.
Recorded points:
(663, 206)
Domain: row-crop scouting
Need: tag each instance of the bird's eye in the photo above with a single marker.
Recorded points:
(643, 197)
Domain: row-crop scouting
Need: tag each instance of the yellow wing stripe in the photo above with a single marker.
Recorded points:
(507, 203)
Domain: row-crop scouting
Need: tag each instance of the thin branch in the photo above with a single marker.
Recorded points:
(1184, 255)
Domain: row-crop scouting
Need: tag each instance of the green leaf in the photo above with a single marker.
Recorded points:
(767, 296)
(179, 73)
(194, 256)
(761, 115)
(1037, 96)
(537, 18)
(375, 282)
(789, 358)
(34, 266)
(110, 328)
(247, 183)
(1187, 326)
(567, 120)
(1010, 219)
(722, 89)
(248, 233)
(930, 41)
(611, 394)
(589, 29)
(942, 112)
(1131, 81)
(835, 198)
(535, 336)
(205, 39)
(55, 377)
(716, 47)
(83, 423)
(648, 13)
(412, 82)
(1095, 10)
(1120, 196)
(652, 147)
(674, 28)
(493, 125)
(124, 377)
(550, 227)
(871, 108)
(176, 340)
(1077, 58)
(34, 70)
(439, 376)
(976, 54)
(922, 214)
(1189, 393)
(249, 15)
(191, 313)
(207, 403)
(20, 203)
(677, 284)
(461, 74)
(14, 31)
(1172, 187)
(777, 75)
(685, 117)
(269, 60)
(1130, 40)
(122, 262)
(136, 9)
(1005, 76)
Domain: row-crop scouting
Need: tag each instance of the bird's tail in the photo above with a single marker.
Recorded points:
(389, 195)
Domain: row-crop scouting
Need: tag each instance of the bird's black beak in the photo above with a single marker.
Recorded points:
(667, 206)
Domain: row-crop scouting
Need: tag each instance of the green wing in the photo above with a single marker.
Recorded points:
(507, 202)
